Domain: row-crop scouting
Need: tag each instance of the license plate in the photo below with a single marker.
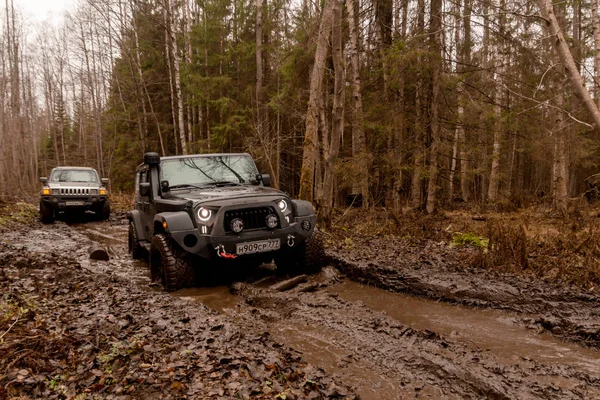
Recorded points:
(257, 247)
(74, 203)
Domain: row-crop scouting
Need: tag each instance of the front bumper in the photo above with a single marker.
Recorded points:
(64, 203)
(206, 246)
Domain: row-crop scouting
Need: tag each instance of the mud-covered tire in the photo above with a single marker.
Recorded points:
(135, 249)
(104, 212)
(168, 265)
(46, 213)
(308, 257)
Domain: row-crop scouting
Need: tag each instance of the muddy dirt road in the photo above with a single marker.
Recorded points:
(369, 341)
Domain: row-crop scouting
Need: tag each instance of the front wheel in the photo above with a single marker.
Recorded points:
(308, 257)
(46, 213)
(104, 212)
(168, 265)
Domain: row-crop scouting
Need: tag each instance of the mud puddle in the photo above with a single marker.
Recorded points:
(486, 330)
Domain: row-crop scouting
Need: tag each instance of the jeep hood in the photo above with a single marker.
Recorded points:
(228, 194)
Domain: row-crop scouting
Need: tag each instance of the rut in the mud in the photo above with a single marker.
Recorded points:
(358, 334)
(382, 344)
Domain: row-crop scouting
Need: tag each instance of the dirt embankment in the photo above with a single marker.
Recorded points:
(74, 329)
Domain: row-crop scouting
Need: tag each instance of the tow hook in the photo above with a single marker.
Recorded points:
(223, 254)
(290, 240)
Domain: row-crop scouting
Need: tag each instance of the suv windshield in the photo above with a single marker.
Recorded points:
(74, 175)
(208, 169)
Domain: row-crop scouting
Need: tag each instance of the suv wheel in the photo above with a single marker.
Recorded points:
(135, 249)
(307, 257)
(104, 212)
(46, 213)
(168, 265)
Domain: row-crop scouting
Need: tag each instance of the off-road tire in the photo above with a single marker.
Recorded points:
(308, 257)
(104, 211)
(169, 265)
(46, 213)
(135, 249)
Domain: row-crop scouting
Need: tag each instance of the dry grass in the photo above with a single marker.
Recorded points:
(534, 241)
(121, 201)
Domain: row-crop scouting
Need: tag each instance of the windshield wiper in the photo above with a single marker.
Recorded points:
(224, 183)
(185, 186)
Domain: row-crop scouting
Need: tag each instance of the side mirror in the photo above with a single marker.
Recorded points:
(145, 189)
(44, 180)
(266, 179)
(104, 180)
(164, 185)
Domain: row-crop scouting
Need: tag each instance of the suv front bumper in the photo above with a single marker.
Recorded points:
(64, 203)
(206, 246)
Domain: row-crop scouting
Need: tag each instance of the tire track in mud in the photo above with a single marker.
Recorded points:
(434, 270)
(410, 361)
(375, 353)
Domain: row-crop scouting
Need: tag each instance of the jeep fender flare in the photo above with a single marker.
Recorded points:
(135, 217)
(302, 208)
(176, 221)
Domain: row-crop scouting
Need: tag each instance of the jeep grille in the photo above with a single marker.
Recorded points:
(253, 218)
(74, 191)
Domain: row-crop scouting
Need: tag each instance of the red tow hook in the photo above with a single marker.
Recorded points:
(223, 254)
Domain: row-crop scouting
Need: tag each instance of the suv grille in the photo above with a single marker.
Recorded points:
(74, 191)
(253, 218)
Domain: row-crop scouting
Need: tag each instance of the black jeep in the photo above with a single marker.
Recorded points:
(195, 212)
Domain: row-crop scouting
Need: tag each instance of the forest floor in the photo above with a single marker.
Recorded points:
(458, 305)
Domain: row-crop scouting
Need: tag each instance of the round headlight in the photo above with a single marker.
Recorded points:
(204, 214)
(282, 205)
(237, 225)
(271, 221)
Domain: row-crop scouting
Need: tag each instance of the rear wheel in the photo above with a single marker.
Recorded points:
(46, 213)
(308, 257)
(135, 249)
(168, 265)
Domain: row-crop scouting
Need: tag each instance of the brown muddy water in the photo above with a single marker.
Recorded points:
(487, 330)
(490, 331)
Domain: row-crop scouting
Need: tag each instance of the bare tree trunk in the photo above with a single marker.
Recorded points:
(419, 148)
(359, 146)
(337, 128)
(494, 181)
(562, 48)
(177, 76)
(170, 69)
(436, 39)
(464, 162)
(559, 164)
(309, 148)
(459, 111)
(596, 27)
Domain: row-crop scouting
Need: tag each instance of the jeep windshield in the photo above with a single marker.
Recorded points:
(74, 175)
(192, 172)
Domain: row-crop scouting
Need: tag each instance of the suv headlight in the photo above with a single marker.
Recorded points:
(285, 208)
(204, 214)
(93, 191)
(283, 205)
(55, 191)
